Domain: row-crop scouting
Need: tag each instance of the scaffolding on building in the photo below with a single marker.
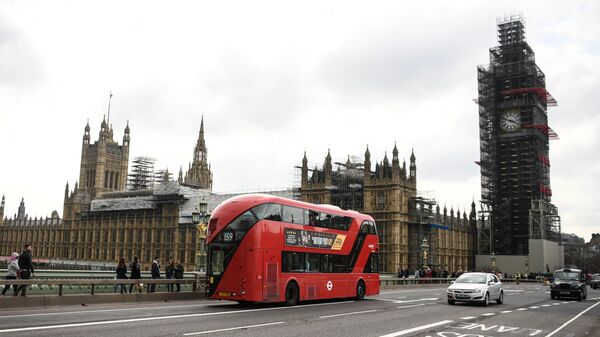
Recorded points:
(514, 161)
(422, 239)
(544, 221)
(141, 176)
(346, 188)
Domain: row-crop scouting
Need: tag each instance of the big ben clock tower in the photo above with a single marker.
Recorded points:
(514, 135)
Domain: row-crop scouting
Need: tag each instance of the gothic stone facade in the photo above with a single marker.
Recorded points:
(389, 194)
(102, 222)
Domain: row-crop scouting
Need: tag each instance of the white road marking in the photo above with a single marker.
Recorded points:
(409, 291)
(488, 314)
(571, 320)
(545, 305)
(419, 328)
(534, 307)
(514, 290)
(468, 317)
(107, 310)
(521, 309)
(506, 312)
(412, 306)
(555, 303)
(230, 329)
(419, 300)
(546, 292)
(144, 319)
(348, 313)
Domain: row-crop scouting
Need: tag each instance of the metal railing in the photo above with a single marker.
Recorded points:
(60, 282)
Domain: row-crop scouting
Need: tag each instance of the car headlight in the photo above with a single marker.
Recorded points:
(575, 286)
(480, 290)
(553, 286)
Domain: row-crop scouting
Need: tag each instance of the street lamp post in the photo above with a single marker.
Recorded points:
(493, 258)
(425, 248)
(199, 218)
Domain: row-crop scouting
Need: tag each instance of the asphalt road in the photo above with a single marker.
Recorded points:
(527, 311)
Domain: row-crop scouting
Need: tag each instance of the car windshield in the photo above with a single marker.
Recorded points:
(566, 276)
(471, 278)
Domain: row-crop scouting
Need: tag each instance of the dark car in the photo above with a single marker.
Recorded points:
(568, 282)
(595, 282)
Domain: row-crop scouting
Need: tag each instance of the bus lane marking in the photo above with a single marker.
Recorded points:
(231, 329)
(487, 329)
(571, 320)
(418, 328)
(347, 314)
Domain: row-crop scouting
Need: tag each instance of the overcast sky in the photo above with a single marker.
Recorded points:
(275, 79)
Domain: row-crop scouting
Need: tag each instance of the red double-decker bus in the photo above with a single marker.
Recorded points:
(263, 248)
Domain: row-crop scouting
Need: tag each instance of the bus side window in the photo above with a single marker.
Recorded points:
(341, 222)
(313, 217)
(293, 215)
(326, 263)
(292, 262)
(268, 212)
(325, 220)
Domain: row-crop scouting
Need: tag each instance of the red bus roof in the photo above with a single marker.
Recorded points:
(235, 206)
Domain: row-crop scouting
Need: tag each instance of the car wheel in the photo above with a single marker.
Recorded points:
(360, 290)
(579, 297)
(486, 300)
(451, 302)
(500, 298)
(558, 297)
(292, 294)
(552, 296)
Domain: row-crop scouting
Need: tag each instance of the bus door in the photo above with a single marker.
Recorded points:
(271, 286)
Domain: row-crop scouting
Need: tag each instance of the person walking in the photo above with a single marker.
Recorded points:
(121, 271)
(155, 272)
(170, 274)
(136, 273)
(26, 268)
(179, 273)
(11, 272)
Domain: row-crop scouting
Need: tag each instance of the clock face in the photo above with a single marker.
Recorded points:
(510, 120)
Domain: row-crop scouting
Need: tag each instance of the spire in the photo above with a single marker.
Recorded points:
(413, 166)
(304, 160)
(395, 151)
(67, 190)
(127, 128)
(180, 178)
(348, 162)
(87, 126)
(367, 164)
(21, 212)
(386, 162)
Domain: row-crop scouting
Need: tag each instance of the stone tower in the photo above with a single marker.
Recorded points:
(103, 164)
(199, 173)
(2, 210)
(387, 191)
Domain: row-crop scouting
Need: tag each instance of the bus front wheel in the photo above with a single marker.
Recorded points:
(292, 294)
(360, 290)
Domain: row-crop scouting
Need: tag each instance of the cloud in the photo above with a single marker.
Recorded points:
(20, 65)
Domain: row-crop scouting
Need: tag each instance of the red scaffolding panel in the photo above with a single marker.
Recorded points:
(541, 92)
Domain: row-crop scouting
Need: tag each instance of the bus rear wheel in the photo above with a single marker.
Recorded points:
(292, 294)
(361, 289)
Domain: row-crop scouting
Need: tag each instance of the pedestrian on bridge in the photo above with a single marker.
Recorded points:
(170, 274)
(121, 274)
(11, 272)
(179, 273)
(155, 272)
(26, 268)
(136, 273)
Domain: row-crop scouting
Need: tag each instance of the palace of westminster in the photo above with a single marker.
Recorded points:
(103, 220)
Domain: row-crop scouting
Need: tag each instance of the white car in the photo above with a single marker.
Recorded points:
(476, 287)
